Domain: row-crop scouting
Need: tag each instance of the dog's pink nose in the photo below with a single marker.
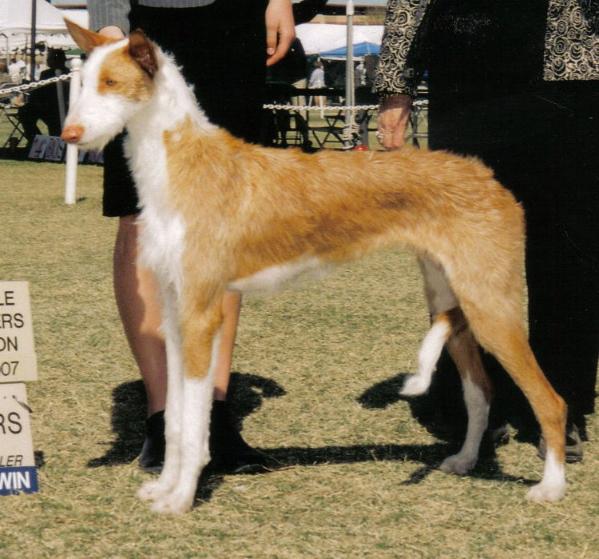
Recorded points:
(72, 133)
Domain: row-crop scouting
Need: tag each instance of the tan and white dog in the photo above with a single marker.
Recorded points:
(219, 214)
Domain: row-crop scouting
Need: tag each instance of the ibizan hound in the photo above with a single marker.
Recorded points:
(218, 214)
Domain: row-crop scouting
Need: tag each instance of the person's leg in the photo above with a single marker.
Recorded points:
(28, 119)
(222, 372)
(137, 298)
(136, 295)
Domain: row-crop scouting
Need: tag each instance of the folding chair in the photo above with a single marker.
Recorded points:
(10, 112)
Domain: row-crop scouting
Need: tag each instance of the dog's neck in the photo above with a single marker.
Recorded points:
(173, 102)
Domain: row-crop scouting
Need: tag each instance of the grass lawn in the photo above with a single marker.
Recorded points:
(316, 377)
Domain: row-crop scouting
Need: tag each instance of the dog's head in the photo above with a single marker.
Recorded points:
(117, 81)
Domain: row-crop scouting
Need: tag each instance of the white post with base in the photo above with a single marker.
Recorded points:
(72, 152)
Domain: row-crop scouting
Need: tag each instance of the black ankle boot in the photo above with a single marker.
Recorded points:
(152, 451)
(229, 452)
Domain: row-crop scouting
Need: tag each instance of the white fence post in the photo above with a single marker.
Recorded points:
(70, 189)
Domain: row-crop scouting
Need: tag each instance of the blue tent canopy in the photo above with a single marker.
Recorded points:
(360, 50)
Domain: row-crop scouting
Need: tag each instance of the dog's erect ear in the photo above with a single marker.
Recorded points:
(142, 50)
(87, 40)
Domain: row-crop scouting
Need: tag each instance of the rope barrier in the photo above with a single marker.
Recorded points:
(27, 87)
(32, 85)
(287, 107)
(270, 106)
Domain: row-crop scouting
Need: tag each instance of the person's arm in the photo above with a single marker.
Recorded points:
(109, 17)
(397, 74)
(280, 30)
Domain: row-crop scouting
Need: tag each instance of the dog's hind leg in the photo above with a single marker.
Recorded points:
(483, 260)
(200, 334)
(440, 299)
(429, 354)
(477, 392)
(506, 339)
(450, 326)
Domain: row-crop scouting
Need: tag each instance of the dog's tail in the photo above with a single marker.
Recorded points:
(428, 356)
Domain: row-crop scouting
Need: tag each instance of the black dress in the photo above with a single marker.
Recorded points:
(487, 98)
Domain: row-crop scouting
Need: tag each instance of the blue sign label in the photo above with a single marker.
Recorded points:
(18, 480)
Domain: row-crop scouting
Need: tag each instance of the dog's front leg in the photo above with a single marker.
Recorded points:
(169, 476)
(200, 337)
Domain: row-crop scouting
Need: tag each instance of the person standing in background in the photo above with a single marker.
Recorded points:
(517, 85)
(316, 81)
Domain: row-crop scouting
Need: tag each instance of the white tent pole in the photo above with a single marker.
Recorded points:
(7, 52)
(33, 25)
(72, 152)
(349, 70)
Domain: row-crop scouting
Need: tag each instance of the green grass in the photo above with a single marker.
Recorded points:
(361, 480)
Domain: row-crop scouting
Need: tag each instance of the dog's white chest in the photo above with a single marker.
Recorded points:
(161, 244)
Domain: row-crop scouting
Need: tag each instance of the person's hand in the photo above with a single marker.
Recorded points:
(280, 30)
(112, 31)
(394, 113)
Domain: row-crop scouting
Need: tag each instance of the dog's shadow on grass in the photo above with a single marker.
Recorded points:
(383, 395)
(429, 413)
(247, 392)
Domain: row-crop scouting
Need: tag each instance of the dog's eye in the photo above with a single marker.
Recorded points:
(109, 82)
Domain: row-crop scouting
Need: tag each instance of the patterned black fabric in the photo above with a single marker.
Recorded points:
(402, 23)
(572, 40)
(571, 45)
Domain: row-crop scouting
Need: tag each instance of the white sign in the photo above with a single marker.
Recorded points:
(18, 362)
(17, 464)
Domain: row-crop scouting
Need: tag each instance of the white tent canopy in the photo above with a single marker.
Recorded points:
(317, 38)
(15, 24)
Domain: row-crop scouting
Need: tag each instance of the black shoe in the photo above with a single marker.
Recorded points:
(152, 451)
(229, 452)
(573, 445)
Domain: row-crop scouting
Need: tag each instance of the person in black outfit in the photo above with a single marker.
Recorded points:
(511, 83)
(43, 102)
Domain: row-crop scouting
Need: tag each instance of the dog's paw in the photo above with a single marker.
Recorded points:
(174, 503)
(546, 493)
(152, 490)
(415, 385)
(458, 464)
